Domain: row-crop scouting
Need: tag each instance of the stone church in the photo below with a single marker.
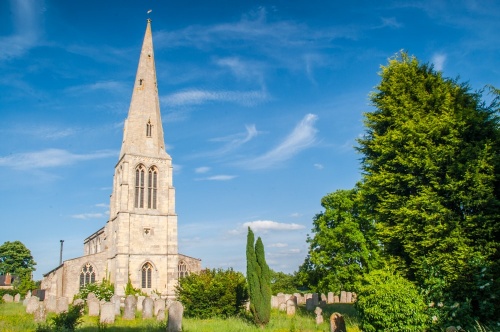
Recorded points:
(139, 241)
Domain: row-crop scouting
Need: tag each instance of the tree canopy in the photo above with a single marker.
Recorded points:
(16, 259)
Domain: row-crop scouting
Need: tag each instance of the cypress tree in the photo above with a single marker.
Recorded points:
(259, 280)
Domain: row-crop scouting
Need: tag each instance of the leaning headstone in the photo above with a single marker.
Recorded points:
(40, 314)
(319, 316)
(32, 304)
(175, 312)
(291, 307)
(337, 323)
(116, 299)
(28, 295)
(348, 297)
(140, 299)
(159, 305)
(94, 306)
(61, 304)
(160, 316)
(130, 307)
(107, 313)
(336, 299)
(17, 297)
(343, 297)
(147, 307)
(50, 303)
(309, 305)
(315, 299)
(7, 298)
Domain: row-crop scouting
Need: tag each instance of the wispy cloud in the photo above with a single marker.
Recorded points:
(302, 137)
(50, 158)
(112, 86)
(268, 225)
(218, 178)
(232, 142)
(243, 69)
(278, 245)
(27, 28)
(198, 97)
(318, 166)
(390, 22)
(89, 216)
(438, 60)
(201, 170)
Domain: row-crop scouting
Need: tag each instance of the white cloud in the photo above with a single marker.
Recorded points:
(295, 215)
(318, 166)
(302, 137)
(198, 97)
(103, 205)
(113, 86)
(278, 245)
(438, 60)
(201, 170)
(267, 225)
(89, 216)
(219, 178)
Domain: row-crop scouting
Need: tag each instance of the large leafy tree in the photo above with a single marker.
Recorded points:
(343, 246)
(16, 259)
(431, 180)
(259, 280)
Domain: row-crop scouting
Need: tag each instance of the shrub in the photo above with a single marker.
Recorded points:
(130, 290)
(389, 302)
(103, 291)
(65, 321)
(212, 293)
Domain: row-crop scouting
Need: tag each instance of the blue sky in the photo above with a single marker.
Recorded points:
(262, 102)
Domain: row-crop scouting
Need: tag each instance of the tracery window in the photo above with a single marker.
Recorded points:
(87, 275)
(139, 186)
(152, 187)
(147, 271)
(182, 267)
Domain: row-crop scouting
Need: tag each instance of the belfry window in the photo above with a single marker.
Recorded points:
(139, 186)
(147, 270)
(152, 187)
(183, 272)
(87, 275)
(140, 81)
(149, 129)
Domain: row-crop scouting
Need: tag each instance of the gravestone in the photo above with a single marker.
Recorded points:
(175, 312)
(330, 297)
(300, 298)
(160, 316)
(147, 307)
(130, 307)
(282, 306)
(116, 299)
(78, 302)
(348, 297)
(319, 316)
(291, 306)
(159, 305)
(337, 323)
(309, 305)
(315, 299)
(107, 313)
(25, 301)
(61, 304)
(323, 297)
(50, 303)
(32, 305)
(40, 314)
(281, 299)
(343, 297)
(140, 299)
(93, 305)
(274, 302)
(336, 299)
(17, 297)
(7, 298)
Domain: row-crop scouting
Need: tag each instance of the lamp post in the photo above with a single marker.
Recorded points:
(60, 254)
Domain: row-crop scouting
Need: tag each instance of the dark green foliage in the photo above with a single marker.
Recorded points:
(130, 290)
(283, 283)
(259, 280)
(431, 181)
(65, 321)
(389, 302)
(212, 293)
(17, 260)
(103, 290)
(343, 247)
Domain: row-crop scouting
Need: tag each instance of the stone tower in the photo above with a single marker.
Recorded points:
(139, 241)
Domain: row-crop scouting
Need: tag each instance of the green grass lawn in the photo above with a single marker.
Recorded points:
(14, 319)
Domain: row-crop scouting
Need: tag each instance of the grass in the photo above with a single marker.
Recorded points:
(13, 318)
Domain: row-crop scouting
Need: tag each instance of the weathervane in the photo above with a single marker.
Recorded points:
(149, 12)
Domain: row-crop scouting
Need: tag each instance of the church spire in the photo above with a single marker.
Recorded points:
(143, 131)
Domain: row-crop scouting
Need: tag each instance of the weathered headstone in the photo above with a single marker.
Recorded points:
(300, 298)
(309, 305)
(348, 297)
(17, 297)
(282, 306)
(343, 297)
(159, 305)
(147, 307)
(336, 299)
(50, 303)
(93, 305)
(175, 312)
(160, 316)
(315, 299)
(281, 299)
(78, 302)
(25, 301)
(116, 299)
(291, 306)
(32, 304)
(40, 314)
(323, 297)
(274, 302)
(61, 304)
(7, 298)
(330, 297)
(319, 316)
(28, 294)
(107, 313)
(337, 323)
(130, 307)
(140, 299)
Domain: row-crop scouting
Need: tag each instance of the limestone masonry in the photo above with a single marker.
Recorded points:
(139, 241)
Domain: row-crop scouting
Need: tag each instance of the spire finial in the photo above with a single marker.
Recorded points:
(149, 12)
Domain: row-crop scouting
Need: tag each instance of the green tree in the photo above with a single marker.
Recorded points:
(17, 260)
(213, 293)
(431, 181)
(259, 280)
(343, 247)
(283, 283)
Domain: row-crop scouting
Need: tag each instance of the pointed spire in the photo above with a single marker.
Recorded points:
(143, 132)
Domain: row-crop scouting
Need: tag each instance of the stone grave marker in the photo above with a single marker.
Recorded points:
(116, 299)
(40, 314)
(291, 306)
(175, 312)
(17, 298)
(319, 316)
(343, 297)
(61, 304)
(147, 307)
(159, 305)
(32, 305)
(107, 313)
(348, 297)
(8, 298)
(337, 323)
(130, 307)
(50, 303)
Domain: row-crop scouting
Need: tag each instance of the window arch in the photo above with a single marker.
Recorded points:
(152, 187)
(182, 268)
(87, 275)
(139, 186)
(147, 271)
(149, 129)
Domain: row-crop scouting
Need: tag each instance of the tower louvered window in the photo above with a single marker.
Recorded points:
(147, 271)
(139, 187)
(152, 188)
(87, 275)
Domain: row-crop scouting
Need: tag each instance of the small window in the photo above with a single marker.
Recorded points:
(140, 81)
(149, 129)
(183, 272)
(147, 270)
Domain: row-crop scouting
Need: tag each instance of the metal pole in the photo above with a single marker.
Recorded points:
(60, 255)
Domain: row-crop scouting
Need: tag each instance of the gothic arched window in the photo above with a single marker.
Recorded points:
(149, 129)
(147, 271)
(87, 275)
(152, 187)
(182, 267)
(139, 186)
